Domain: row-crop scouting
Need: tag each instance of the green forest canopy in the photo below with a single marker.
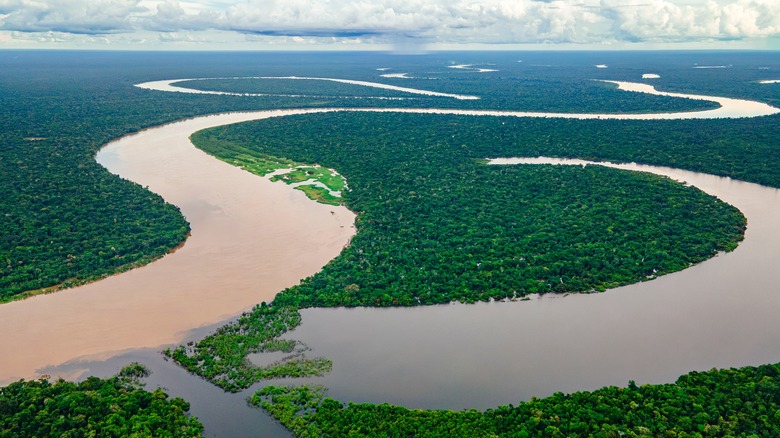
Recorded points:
(113, 407)
(741, 402)
(66, 220)
(436, 224)
(62, 212)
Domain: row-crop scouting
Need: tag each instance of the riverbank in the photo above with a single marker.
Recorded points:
(457, 356)
(236, 257)
(250, 239)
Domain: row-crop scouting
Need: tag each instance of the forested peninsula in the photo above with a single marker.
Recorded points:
(436, 224)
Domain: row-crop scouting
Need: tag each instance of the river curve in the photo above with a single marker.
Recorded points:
(719, 313)
(729, 108)
(232, 261)
(250, 239)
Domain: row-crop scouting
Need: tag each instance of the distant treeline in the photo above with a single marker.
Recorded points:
(567, 94)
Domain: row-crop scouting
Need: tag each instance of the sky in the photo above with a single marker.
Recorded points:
(398, 25)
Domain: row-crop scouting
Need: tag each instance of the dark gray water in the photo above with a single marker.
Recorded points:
(720, 313)
(222, 414)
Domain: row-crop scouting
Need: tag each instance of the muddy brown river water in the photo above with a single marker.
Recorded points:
(250, 239)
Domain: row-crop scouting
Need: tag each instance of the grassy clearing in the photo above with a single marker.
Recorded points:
(320, 195)
(313, 181)
(309, 179)
(260, 165)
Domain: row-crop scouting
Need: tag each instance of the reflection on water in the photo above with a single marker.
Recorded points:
(719, 313)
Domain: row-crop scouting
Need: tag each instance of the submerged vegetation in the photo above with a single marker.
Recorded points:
(221, 358)
(113, 407)
(742, 402)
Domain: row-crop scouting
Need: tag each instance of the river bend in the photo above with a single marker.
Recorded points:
(252, 238)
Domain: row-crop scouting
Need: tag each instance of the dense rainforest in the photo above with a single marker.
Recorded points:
(114, 407)
(741, 402)
(436, 224)
(66, 220)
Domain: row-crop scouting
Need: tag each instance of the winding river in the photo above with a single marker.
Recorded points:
(251, 238)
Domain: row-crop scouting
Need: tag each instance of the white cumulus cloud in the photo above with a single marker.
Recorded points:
(439, 21)
(68, 16)
(668, 20)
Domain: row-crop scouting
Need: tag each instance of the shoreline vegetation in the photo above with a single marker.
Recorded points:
(79, 281)
(581, 216)
(162, 231)
(727, 402)
(116, 406)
